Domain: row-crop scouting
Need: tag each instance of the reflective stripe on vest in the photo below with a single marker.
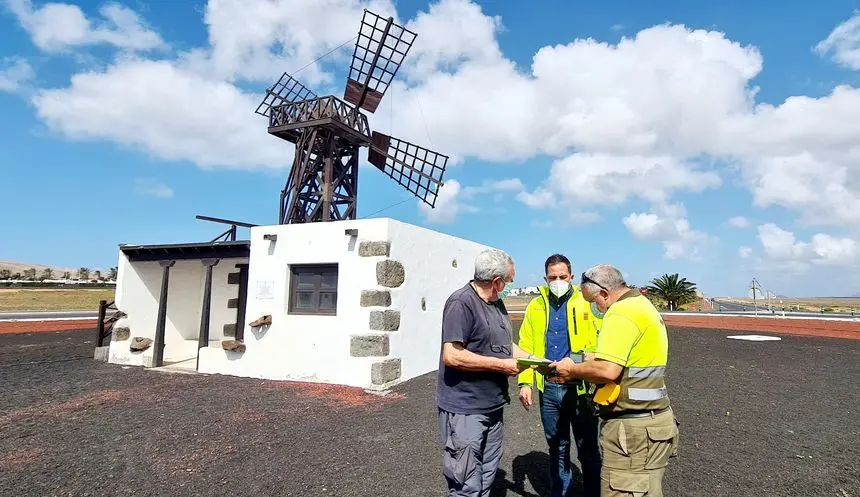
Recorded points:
(644, 384)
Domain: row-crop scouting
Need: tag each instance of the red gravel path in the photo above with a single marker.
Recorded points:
(17, 327)
(800, 327)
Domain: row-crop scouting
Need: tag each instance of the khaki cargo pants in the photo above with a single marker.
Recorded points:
(636, 452)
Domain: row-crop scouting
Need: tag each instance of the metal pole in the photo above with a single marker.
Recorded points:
(100, 326)
(243, 300)
(158, 343)
(203, 338)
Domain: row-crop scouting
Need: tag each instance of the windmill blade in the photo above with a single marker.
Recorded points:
(379, 50)
(416, 168)
(286, 90)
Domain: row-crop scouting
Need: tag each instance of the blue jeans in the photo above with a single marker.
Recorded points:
(560, 410)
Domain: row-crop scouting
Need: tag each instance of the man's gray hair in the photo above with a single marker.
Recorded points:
(606, 275)
(492, 263)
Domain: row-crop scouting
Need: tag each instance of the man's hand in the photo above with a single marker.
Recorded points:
(510, 367)
(526, 396)
(563, 370)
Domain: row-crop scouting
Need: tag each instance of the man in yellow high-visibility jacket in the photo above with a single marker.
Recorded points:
(639, 433)
(558, 324)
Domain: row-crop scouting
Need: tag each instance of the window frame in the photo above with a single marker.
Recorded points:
(317, 270)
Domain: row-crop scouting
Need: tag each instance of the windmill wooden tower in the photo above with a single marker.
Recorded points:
(328, 132)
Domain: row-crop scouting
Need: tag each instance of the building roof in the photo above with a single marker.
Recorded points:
(185, 251)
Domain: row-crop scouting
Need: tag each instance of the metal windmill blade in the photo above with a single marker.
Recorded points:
(286, 90)
(416, 168)
(380, 48)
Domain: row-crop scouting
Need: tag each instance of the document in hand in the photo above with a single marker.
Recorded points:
(534, 362)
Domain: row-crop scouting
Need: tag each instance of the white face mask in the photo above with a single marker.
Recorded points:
(559, 287)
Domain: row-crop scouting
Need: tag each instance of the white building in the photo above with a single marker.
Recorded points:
(354, 302)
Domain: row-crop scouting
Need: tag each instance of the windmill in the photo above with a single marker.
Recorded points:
(328, 132)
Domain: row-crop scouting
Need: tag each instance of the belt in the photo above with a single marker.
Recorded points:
(633, 414)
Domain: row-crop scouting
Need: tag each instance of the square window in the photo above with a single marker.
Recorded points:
(313, 289)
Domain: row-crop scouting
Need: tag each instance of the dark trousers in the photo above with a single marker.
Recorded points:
(471, 451)
(561, 410)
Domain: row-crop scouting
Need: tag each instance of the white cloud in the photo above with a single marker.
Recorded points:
(745, 252)
(14, 73)
(616, 27)
(622, 120)
(453, 198)
(504, 185)
(152, 188)
(822, 249)
(584, 217)
(172, 113)
(258, 39)
(56, 27)
(844, 43)
(667, 223)
(450, 33)
(600, 179)
(739, 222)
(449, 204)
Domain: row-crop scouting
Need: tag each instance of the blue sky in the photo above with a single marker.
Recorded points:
(619, 135)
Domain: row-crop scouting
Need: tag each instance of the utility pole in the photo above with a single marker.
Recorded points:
(755, 290)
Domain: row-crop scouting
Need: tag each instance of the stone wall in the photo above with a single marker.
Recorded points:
(383, 320)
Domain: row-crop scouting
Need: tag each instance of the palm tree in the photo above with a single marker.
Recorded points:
(47, 274)
(674, 290)
(113, 273)
(83, 274)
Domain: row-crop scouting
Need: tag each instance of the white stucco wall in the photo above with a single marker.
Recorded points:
(137, 294)
(317, 348)
(427, 256)
(300, 347)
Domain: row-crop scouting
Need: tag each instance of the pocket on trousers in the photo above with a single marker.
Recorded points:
(635, 484)
(677, 442)
(458, 463)
(661, 445)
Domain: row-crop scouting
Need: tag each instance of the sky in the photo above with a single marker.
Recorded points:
(714, 139)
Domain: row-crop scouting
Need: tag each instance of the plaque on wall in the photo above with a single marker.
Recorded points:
(265, 290)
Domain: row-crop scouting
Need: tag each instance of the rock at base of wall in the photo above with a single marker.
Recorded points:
(121, 333)
(372, 249)
(234, 345)
(385, 320)
(375, 298)
(390, 273)
(102, 353)
(139, 344)
(368, 345)
(385, 371)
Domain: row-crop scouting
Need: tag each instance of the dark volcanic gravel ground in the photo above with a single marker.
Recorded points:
(757, 418)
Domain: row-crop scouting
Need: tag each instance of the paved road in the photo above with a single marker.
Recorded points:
(47, 316)
(735, 308)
